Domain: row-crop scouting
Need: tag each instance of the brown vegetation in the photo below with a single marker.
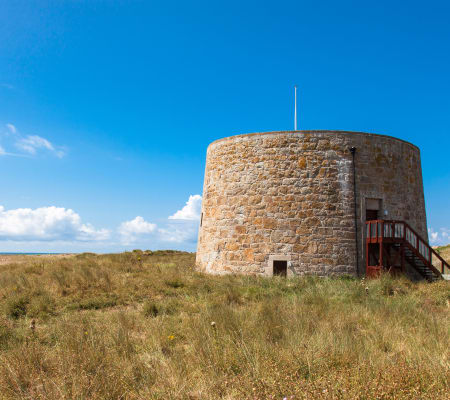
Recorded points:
(147, 326)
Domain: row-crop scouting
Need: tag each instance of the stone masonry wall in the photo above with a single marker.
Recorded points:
(289, 196)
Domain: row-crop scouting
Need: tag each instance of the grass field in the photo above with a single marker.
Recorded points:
(147, 326)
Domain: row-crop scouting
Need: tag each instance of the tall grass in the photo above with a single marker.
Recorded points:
(147, 326)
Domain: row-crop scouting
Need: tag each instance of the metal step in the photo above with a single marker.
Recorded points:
(407, 243)
(419, 265)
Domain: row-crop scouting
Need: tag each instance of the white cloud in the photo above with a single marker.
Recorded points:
(439, 237)
(192, 209)
(2, 151)
(33, 142)
(138, 228)
(46, 224)
(433, 236)
(47, 227)
(183, 227)
(181, 232)
(29, 144)
(12, 128)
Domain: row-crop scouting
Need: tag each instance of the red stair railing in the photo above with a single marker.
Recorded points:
(381, 231)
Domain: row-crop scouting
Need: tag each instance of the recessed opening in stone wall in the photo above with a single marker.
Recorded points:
(373, 206)
(373, 254)
(280, 268)
(371, 215)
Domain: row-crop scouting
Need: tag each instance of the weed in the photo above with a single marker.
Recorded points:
(16, 306)
(93, 303)
(150, 309)
(41, 305)
(175, 283)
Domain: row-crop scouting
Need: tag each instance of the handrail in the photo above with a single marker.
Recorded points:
(384, 230)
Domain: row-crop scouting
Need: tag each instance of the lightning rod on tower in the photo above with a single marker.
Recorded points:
(295, 109)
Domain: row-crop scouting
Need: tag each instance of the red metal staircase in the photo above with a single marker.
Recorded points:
(391, 245)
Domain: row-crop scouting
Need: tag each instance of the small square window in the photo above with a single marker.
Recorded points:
(279, 268)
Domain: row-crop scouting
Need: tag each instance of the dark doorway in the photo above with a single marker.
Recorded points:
(373, 207)
(371, 215)
(280, 268)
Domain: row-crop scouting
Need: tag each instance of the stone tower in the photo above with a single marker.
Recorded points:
(288, 199)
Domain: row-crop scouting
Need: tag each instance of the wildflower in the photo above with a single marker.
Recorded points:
(171, 337)
(213, 324)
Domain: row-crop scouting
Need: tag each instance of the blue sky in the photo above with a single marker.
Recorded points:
(107, 107)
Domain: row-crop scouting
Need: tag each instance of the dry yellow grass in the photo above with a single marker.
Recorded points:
(444, 252)
(137, 326)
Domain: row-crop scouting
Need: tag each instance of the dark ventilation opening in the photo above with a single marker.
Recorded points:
(371, 215)
(201, 220)
(280, 268)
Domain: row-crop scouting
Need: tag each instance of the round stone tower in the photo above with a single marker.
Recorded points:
(284, 202)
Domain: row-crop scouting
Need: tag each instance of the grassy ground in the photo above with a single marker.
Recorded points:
(444, 252)
(139, 326)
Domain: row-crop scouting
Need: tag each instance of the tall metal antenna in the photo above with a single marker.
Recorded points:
(295, 109)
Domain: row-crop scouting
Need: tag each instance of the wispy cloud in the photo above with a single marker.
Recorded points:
(3, 152)
(192, 209)
(179, 233)
(11, 128)
(47, 224)
(30, 144)
(439, 237)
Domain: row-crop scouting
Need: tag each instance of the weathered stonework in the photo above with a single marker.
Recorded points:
(290, 195)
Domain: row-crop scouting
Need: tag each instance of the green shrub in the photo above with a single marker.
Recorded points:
(93, 303)
(175, 283)
(150, 309)
(16, 307)
(41, 305)
(86, 255)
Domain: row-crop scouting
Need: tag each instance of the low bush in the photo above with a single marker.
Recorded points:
(16, 306)
(150, 309)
